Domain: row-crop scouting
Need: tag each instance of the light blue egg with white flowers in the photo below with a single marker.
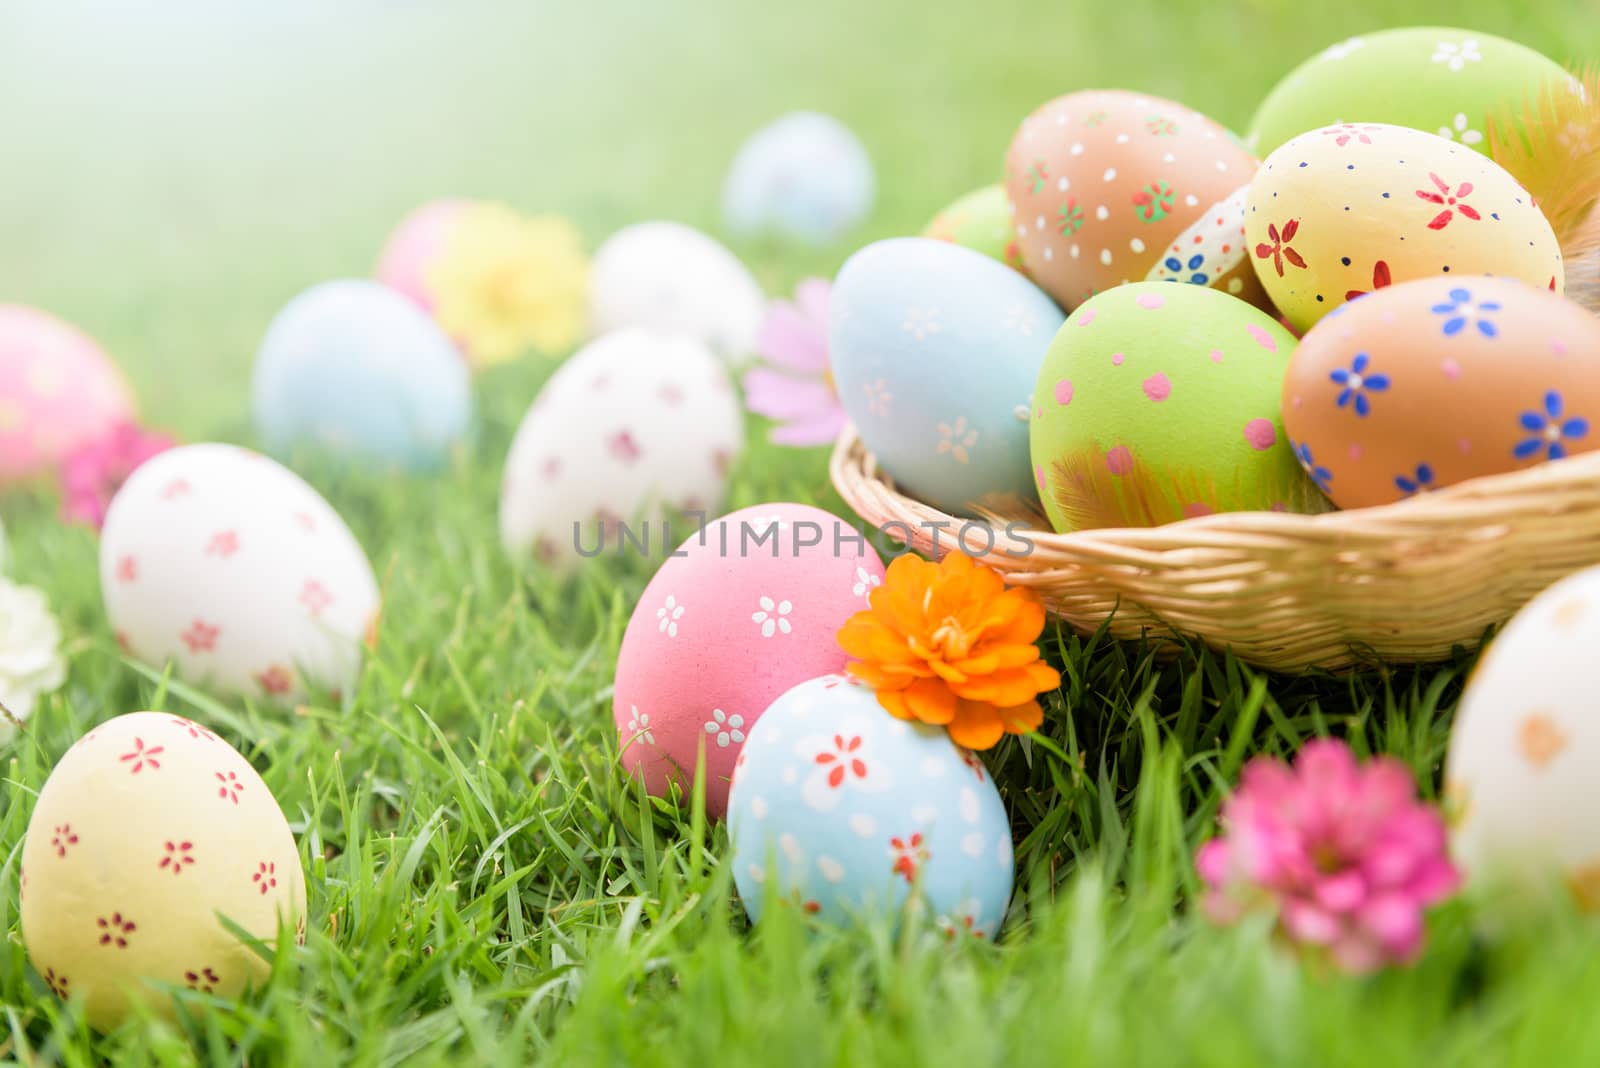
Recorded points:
(805, 177)
(850, 811)
(935, 350)
(356, 369)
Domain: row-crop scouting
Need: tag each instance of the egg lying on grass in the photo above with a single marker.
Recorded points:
(745, 609)
(1158, 403)
(635, 424)
(1113, 187)
(805, 177)
(1431, 382)
(1523, 769)
(150, 837)
(1345, 210)
(58, 390)
(934, 350)
(353, 368)
(842, 810)
(228, 564)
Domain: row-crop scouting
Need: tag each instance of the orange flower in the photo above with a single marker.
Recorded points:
(948, 643)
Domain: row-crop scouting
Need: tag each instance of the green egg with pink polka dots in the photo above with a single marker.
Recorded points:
(1441, 80)
(1159, 402)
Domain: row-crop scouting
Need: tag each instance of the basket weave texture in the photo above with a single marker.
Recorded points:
(1402, 583)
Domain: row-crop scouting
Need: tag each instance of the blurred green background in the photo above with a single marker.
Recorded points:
(173, 172)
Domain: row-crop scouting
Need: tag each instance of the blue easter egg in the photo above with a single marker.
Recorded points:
(355, 368)
(935, 351)
(805, 177)
(851, 811)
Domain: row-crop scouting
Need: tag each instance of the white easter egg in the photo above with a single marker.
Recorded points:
(1523, 771)
(670, 276)
(228, 564)
(806, 177)
(148, 834)
(635, 422)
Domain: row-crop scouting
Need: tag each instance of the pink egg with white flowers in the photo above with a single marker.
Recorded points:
(748, 607)
(58, 391)
(416, 243)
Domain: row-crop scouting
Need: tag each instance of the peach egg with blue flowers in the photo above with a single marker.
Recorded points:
(1430, 382)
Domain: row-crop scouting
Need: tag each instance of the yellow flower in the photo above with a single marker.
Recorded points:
(505, 282)
(949, 643)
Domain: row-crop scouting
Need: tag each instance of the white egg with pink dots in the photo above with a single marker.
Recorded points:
(230, 566)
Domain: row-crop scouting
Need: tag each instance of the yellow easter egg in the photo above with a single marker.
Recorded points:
(1346, 209)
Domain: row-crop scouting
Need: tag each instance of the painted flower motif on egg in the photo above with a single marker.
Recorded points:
(1431, 382)
(670, 277)
(229, 565)
(934, 350)
(1348, 209)
(1522, 776)
(1161, 403)
(1113, 187)
(58, 391)
(149, 832)
(745, 609)
(853, 811)
(355, 368)
(981, 221)
(634, 423)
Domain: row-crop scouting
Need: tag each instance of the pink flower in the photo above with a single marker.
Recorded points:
(799, 394)
(1344, 853)
(91, 474)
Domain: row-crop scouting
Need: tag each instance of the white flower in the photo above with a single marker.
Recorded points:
(919, 324)
(866, 582)
(668, 615)
(639, 726)
(727, 728)
(1457, 56)
(878, 397)
(30, 653)
(1468, 137)
(773, 617)
(1343, 48)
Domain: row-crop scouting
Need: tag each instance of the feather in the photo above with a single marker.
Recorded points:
(1582, 256)
(1551, 144)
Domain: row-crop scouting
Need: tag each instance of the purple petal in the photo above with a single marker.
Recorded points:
(1306, 922)
(1395, 921)
(1342, 892)
(1212, 861)
(811, 297)
(777, 396)
(788, 339)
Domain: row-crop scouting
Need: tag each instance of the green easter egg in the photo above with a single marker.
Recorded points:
(981, 221)
(1159, 402)
(1445, 81)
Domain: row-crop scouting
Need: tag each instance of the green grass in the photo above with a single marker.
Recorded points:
(485, 887)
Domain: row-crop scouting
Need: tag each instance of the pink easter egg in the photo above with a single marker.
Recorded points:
(414, 245)
(58, 390)
(748, 608)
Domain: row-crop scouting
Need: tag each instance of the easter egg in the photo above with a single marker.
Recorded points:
(850, 811)
(981, 221)
(671, 277)
(635, 422)
(1523, 771)
(805, 177)
(1159, 402)
(354, 368)
(149, 837)
(1113, 187)
(230, 566)
(1434, 381)
(1347, 209)
(58, 391)
(744, 609)
(415, 246)
(934, 350)
(1454, 82)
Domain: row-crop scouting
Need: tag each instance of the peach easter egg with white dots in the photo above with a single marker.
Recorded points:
(228, 564)
(148, 834)
(58, 391)
(1522, 776)
(745, 609)
(1111, 187)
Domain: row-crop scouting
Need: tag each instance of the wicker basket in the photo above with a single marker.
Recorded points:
(1406, 582)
